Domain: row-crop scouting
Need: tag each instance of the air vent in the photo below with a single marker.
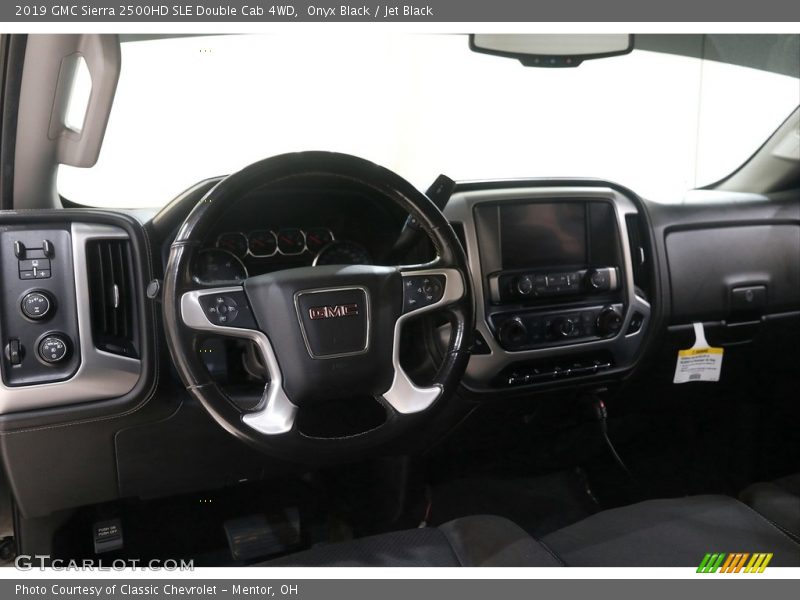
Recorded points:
(112, 297)
(640, 255)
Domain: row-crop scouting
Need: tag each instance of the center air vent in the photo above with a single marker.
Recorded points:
(112, 297)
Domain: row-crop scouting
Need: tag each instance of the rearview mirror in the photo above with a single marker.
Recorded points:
(551, 50)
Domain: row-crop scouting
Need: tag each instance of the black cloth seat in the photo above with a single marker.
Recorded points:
(778, 501)
(664, 533)
(676, 532)
(480, 541)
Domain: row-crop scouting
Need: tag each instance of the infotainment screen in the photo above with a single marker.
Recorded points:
(543, 235)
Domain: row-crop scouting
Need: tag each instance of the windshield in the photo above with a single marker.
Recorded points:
(189, 108)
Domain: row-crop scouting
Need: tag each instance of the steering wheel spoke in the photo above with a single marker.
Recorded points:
(276, 413)
(424, 290)
(225, 311)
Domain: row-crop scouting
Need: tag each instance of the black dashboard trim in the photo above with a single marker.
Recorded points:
(75, 414)
(700, 214)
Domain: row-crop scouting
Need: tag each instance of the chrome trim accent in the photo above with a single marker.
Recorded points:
(253, 254)
(404, 395)
(278, 413)
(330, 232)
(483, 367)
(338, 244)
(274, 233)
(101, 375)
(277, 239)
(613, 278)
(246, 242)
(115, 296)
(333, 289)
(494, 287)
(642, 306)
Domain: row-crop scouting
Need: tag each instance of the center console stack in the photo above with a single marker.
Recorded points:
(557, 276)
(555, 284)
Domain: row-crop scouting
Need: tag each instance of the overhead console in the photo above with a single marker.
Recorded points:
(560, 279)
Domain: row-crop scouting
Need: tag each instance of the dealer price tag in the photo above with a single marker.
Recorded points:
(701, 362)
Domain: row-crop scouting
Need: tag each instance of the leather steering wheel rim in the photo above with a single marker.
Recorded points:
(271, 430)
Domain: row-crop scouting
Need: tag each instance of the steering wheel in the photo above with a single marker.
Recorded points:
(324, 333)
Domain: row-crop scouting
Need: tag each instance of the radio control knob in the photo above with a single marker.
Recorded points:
(525, 285)
(609, 321)
(564, 326)
(513, 333)
(598, 279)
(36, 305)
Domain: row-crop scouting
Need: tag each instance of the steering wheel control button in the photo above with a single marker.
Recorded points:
(53, 349)
(223, 310)
(227, 309)
(421, 291)
(36, 305)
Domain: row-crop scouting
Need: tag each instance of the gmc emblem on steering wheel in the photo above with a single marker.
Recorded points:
(332, 312)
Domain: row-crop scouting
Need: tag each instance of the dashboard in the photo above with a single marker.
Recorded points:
(572, 280)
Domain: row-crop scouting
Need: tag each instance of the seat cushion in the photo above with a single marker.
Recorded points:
(778, 501)
(480, 541)
(676, 532)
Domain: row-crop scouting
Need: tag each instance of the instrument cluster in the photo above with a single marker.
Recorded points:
(236, 255)
(266, 243)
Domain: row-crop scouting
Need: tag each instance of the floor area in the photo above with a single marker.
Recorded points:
(542, 462)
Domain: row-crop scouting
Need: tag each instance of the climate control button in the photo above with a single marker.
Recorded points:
(53, 349)
(36, 305)
(565, 327)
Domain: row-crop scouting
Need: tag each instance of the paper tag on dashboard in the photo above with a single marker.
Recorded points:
(700, 362)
